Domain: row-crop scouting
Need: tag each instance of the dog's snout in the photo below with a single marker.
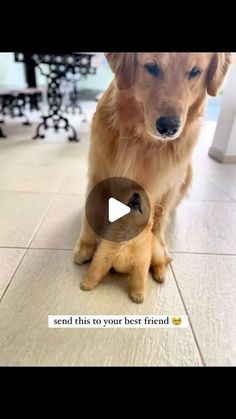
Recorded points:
(168, 125)
(135, 202)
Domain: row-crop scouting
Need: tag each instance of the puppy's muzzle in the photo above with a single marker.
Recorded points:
(135, 202)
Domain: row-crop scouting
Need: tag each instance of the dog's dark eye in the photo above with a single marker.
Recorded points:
(194, 72)
(152, 69)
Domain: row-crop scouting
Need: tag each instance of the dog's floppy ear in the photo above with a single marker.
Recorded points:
(123, 65)
(158, 211)
(217, 71)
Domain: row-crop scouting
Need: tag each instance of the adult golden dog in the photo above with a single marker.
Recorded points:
(145, 128)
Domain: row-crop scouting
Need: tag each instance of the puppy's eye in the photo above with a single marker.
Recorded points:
(194, 72)
(153, 69)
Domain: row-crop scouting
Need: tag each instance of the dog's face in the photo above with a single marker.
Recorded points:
(170, 88)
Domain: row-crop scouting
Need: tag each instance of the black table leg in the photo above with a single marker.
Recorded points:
(55, 120)
(2, 135)
(55, 100)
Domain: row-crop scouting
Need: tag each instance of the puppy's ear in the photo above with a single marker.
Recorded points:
(217, 71)
(158, 211)
(123, 65)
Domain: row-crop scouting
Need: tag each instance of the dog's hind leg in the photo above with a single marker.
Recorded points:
(138, 279)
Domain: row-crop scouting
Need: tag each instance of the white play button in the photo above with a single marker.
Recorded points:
(116, 209)
(107, 214)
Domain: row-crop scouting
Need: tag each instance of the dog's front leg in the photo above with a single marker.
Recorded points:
(138, 280)
(86, 244)
(99, 267)
(160, 259)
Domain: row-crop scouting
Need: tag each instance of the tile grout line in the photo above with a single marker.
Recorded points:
(48, 208)
(48, 248)
(70, 249)
(51, 248)
(35, 248)
(48, 192)
(201, 253)
(13, 275)
(229, 201)
(13, 247)
(224, 201)
(41, 221)
(190, 323)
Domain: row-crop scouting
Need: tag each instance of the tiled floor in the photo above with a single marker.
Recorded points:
(42, 185)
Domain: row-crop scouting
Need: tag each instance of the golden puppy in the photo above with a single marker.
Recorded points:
(133, 256)
(145, 128)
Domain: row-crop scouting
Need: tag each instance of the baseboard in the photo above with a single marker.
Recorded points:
(220, 157)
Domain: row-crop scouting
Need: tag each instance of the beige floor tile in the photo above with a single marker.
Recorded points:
(204, 189)
(75, 181)
(40, 166)
(200, 226)
(225, 179)
(9, 260)
(208, 286)
(47, 282)
(20, 216)
(223, 176)
(36, 177)
(61, 226)
(23, 151)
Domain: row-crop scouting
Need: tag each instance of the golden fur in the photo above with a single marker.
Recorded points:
(132, 257)
(124, 141)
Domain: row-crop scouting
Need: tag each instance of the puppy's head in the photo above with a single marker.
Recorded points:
(135, 203)
(140, 207)
(169, 88)
(143, 209)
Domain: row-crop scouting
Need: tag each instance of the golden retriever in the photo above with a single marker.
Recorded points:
(145, 128)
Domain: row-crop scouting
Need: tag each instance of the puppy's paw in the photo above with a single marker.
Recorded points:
(83, 253)
(159, 270)
(137, 297)
(86, 285)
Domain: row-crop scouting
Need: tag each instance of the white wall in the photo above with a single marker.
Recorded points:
(11, 73)
(223, 147)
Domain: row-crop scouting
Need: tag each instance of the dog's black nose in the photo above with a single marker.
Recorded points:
(134, 202)
(168, 125)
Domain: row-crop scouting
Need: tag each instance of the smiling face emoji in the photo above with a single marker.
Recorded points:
(176, 320)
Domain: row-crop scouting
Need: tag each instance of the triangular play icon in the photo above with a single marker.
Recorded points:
(116, 209)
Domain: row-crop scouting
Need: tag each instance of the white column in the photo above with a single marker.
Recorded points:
(223, 147)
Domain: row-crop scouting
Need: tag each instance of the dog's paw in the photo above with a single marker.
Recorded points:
(158, 270)
(137, 297)
(83, 253)
(86, 286)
